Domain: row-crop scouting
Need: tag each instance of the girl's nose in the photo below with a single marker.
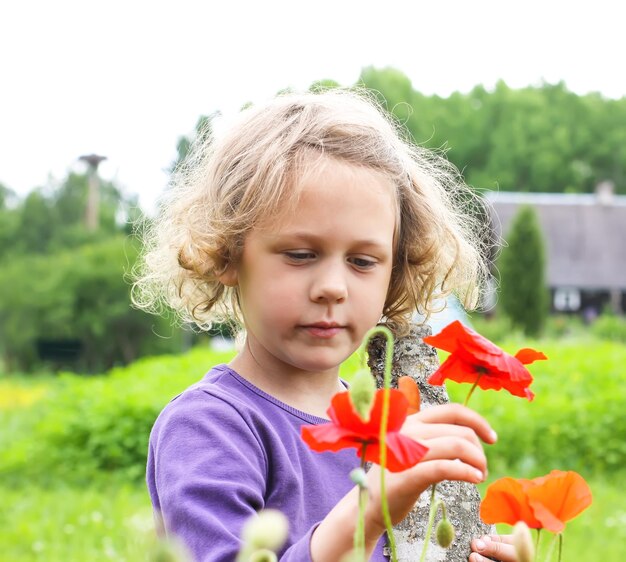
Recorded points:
(329, 285)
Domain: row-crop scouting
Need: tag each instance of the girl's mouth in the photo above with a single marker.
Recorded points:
(324, 330)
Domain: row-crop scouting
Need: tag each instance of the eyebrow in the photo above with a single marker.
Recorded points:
(311, 237)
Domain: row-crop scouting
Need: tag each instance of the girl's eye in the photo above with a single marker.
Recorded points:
(299, 257)
(362, 263)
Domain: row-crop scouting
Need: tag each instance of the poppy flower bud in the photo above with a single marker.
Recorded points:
(362, 391)
(359, 477)
(268, 530)
(523, 542)
(445, 533)
(263, 555)
(168, 550)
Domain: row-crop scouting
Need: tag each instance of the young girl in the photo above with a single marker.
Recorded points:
(310, 221)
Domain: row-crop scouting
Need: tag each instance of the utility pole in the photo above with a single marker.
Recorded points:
(92, 212)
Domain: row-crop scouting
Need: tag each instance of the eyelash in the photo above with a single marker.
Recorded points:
(301, 257)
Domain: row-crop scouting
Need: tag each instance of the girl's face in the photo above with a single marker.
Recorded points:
(313, 283)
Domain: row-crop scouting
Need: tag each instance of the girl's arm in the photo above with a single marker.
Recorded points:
(453, 434)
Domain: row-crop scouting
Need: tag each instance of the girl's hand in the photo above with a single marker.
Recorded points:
(493, 547)
(453, 435)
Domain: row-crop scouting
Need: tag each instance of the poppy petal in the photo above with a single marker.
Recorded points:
(448, 338)
(472, 356)
(455, 369)
(329, 437)
(409, 388)
(528, 356)
(402, 452)
(558, 497)
(506, 502)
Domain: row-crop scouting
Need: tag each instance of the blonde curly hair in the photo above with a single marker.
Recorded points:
(231, 184)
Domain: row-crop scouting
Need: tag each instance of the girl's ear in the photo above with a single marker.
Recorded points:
(229, 276)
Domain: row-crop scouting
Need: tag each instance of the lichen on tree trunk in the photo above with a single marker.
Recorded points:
(418, 360)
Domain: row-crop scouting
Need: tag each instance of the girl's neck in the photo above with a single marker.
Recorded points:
(306, 391)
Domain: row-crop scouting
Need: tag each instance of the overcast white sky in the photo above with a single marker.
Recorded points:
(126, 78)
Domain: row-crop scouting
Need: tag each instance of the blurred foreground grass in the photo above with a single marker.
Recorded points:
(113, 522)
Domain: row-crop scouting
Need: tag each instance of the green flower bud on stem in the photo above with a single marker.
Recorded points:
(362, 391)
(359, 477)
(445, 533)
(523, 542)
(168, 550)
(268, 530)
(263, 555)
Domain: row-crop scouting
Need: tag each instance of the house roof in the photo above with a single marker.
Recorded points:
(585, 235)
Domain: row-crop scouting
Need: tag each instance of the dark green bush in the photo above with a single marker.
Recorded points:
(610, 327)
(78, 295)
(522, 264)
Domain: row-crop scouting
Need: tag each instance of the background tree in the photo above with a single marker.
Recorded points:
(201, 133)
(542, 138)
(523, 292)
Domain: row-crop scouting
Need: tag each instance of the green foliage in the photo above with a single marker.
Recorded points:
(610, 327)
(497, 328)
(89, 426)
(524, 295)
(544, 138)
(52, 219)
(80, 295)
(202, 134)
(576, 420)
(323, 85)
(557, 326)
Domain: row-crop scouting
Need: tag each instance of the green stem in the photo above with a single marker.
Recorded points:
(472, 390)
(560, 545)
(431, 521)
(383, 433)
(537, 541)
(359, 533)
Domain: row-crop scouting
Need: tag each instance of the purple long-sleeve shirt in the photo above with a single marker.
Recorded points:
(224, 449)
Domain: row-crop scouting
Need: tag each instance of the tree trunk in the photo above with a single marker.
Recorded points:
(418, 360)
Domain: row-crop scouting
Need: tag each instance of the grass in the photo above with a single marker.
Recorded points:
(113, 522)
(579, 393)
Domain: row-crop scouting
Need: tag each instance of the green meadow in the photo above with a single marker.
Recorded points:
(73, 449)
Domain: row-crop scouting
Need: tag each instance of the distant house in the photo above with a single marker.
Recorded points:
(585, 237)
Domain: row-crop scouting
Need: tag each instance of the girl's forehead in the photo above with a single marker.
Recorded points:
(332, 192)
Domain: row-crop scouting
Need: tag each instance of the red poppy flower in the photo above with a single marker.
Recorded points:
(348, 430)
(558, 497)
(475, 359)
(547, 502)
(506, 502)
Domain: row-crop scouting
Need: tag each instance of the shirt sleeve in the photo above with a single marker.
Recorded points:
(210, 475)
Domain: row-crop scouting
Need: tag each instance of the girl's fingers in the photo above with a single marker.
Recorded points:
(421, 431)
(455, 448)
(456, 414)
(431, 472)
(493, 547)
